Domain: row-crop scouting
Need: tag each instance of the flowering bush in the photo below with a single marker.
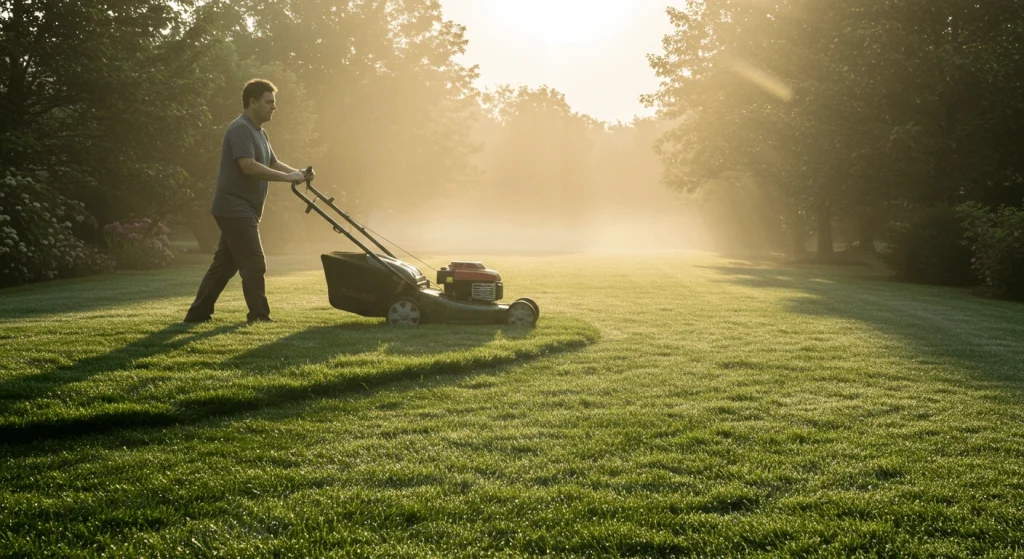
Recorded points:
(36, 240)
(139, 245)
(997, 239)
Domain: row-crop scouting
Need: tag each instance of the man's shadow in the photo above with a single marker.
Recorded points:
(309, 347)
(176, 336)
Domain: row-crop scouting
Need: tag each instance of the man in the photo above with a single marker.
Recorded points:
(247, 163)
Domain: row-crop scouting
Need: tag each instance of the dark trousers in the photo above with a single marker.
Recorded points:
(239, 250)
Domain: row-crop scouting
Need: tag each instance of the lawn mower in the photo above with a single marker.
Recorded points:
(377, 284)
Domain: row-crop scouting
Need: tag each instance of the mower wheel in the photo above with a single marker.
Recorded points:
(405, 313)
(536, 309)
(521, 313)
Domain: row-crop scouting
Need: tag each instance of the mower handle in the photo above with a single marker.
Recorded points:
(307, 172)
(311, 206)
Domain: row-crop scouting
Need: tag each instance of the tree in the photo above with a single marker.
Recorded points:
(394, 107)
(104, 96)
(539, 165)
(847, 106)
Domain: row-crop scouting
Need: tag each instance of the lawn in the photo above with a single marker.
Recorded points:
(666, 405)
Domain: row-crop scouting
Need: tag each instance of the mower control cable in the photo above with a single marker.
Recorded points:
(399, 248)
(381, 236)
(429, 283)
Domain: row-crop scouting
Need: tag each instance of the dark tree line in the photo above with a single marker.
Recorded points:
(857, 114)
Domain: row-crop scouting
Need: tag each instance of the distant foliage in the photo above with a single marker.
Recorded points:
(36, 238)
(927, 246)
(139, 245)
(997, 240)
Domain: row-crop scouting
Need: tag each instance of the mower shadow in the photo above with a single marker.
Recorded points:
(325, 343)
(132, 429)
(937, 323)
(308, 347)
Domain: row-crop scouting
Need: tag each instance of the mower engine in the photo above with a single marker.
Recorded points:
(470, 282)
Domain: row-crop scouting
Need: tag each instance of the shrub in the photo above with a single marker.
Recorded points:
(997, 240)
(36, 238)
(139, 245)
(927, 246)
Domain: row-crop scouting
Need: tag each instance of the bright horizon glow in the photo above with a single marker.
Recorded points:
(592, 51)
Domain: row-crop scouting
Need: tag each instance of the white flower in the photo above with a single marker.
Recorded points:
(79, 218)
(18, 208)
(35, 205)
(22, 248)
(9, 242)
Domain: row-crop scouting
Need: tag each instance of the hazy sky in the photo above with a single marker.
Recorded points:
(593, 51)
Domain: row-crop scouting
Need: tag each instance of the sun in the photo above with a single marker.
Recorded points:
(559, 23)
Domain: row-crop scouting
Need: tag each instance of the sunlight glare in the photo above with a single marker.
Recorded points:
(769, 83)
(560, 23)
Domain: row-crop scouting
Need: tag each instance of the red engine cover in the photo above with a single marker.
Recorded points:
(473, 271)
(461, 265)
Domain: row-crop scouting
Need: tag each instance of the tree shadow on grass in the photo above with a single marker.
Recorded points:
(97, 292)
(309, 347)
(981, 336)
(120, 289)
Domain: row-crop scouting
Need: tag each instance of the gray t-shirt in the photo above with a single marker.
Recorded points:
(239, 195)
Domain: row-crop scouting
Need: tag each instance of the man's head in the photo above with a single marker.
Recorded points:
(258, 100)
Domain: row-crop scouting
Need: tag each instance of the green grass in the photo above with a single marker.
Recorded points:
(669, 405)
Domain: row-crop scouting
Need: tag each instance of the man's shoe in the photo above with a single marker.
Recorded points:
(189, 319)
(256, 319)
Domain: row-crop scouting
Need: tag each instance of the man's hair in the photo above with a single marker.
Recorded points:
(255, 89)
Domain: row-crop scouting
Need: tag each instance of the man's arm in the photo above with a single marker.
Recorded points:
(280, 172)
(284, 168)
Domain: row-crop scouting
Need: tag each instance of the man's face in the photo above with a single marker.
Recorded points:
(265, 106)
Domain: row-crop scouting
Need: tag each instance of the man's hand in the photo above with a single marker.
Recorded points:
(309, 174)
(297, 176)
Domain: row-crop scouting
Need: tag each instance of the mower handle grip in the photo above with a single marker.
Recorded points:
(307, 172)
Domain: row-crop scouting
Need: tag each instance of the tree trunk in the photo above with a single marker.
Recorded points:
(866, 242)
(205, 230)
(798, 235)
(824, 232)
(16, 72)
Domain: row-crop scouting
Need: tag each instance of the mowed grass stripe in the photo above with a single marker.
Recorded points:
(135, 366)
(726, 408)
